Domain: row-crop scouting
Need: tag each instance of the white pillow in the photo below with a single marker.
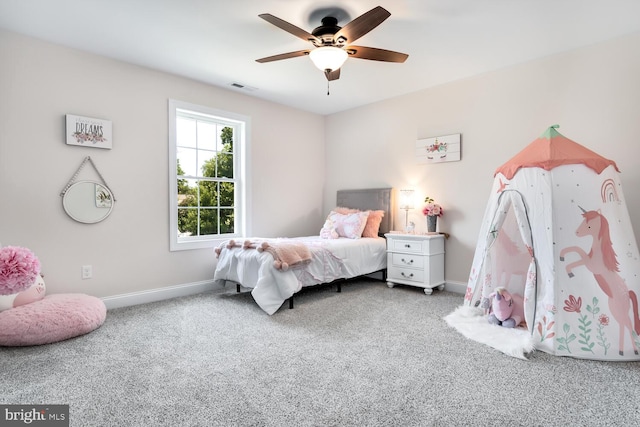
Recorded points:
(345, 225)
(328, 230)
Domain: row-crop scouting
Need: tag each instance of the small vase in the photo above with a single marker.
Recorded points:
(432, 221)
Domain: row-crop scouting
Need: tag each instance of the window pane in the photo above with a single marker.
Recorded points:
(207, 163)
(187, 192)
(187, 222)
(225, 165)
(227, 196)
(208, 221)
(208, 194)
(187, 161)
(227, 221)
(185, 132)
(226, 139)
(207, 135)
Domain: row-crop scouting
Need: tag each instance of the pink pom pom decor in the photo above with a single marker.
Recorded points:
(19, 268)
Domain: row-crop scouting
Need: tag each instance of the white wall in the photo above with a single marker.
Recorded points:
(593, 93)
(129, 251)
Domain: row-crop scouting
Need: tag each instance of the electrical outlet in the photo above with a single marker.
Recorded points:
(87, 272)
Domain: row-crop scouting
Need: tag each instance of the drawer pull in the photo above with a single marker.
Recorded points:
(407, 245)
(409, 276)
(407, 262)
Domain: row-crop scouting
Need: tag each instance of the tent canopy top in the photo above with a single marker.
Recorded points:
(550, 150)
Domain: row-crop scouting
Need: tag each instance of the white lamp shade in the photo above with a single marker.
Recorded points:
(328, 57)
(407, 199)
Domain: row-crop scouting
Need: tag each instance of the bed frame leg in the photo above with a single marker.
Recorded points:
(237, 287)
(339, 286)
(290, 303)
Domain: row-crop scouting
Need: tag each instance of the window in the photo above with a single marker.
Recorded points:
(207, 176)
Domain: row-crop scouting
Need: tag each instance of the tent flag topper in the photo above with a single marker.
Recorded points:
(557, 231)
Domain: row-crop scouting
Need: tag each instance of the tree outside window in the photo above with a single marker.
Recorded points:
(206, 175)
(206, 204)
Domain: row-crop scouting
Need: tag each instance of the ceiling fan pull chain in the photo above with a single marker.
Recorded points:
(327, 72)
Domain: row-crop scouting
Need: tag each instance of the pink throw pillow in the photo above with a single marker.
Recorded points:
(373, 224)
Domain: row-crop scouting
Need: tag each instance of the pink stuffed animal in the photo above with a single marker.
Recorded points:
(507, 310)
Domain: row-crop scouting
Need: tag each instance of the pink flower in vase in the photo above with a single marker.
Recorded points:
(431, 208)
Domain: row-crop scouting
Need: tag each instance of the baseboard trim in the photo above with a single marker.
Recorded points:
(153, 295)
(159, 294)
(457, 287)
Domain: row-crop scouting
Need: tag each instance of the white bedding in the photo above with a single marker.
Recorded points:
(331, 259)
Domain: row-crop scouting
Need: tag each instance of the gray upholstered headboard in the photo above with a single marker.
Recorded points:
(370, 199)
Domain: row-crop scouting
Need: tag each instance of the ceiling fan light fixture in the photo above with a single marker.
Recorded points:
(328, 57)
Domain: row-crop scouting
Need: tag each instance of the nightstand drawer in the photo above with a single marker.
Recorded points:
(424, 246)
(406, 274)
(407, 260)
(405, 245)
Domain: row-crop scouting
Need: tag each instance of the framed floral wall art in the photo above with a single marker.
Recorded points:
(88, 132)
(439, 149)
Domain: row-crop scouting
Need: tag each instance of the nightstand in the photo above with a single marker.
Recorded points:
(415, 260)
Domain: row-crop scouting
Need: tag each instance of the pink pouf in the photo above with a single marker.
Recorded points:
(54, 318)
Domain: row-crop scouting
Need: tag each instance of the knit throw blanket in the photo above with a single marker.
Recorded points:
(285, 253)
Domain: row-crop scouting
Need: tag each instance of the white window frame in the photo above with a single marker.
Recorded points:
(241, 161)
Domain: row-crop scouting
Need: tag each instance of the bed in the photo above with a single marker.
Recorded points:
(276, 269)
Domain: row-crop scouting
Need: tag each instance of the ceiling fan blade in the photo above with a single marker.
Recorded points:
(284, 56)
(375, 54)
(332, 75)
(361, 25)
(290, 28)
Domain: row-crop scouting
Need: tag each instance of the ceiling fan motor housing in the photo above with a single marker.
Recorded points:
(326, 31)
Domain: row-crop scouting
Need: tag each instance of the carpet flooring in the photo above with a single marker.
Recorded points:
(368, 356)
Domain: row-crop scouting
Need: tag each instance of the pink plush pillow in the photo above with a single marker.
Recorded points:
(345, 211)
(373, 224)
(373, 221)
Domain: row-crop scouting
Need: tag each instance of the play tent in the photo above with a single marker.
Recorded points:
(557, 231)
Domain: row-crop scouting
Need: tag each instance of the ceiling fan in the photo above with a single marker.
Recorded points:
(332, 43)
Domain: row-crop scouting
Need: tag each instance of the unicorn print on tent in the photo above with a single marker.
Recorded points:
(557, 232)
(602, 262)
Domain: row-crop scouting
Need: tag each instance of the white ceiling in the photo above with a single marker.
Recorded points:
(218, 41)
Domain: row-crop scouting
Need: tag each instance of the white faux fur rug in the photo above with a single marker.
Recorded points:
(472, 323)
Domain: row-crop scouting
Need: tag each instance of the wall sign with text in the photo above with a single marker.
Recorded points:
(88, 132)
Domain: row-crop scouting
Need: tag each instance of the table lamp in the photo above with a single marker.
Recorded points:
(406, 203)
